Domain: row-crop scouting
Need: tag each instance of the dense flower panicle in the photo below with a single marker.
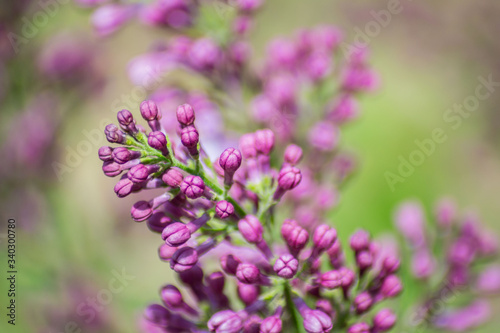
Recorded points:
(303, 93)
(462, 242)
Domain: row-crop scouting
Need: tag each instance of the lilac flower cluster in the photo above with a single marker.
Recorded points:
(456, 253)
(226, 209)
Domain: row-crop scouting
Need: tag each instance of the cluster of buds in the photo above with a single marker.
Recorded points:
(452, 251)
(226, 209)
(177, 15)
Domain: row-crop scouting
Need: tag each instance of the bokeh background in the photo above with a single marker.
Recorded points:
(73, 231)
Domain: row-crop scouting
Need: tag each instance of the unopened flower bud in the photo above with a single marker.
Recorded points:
(111, 168)
(391, 287)
(286, 266)
(225, 321)
(122, 155)
(264, 141)
(271, 324)
(173, 178)
(190, 138)
(363, 302)
(216, 281)
(230, 161)
(248, 293)
(149, 111)
(251, 229)
(193, 187)
(105, 154)
(360, 240)
(384, 321)
(324, 237)
(331, 280)
(316, 321)
(184, 259)
(124, 187)
(140, 173)
(293, 154)
(114, 134)
(185, 114)
(359, 328)
(158, 140)
(248, 273)
(141, 211)
(176, 234)
(224, 209)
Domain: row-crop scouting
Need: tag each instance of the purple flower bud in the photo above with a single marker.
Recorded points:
(166, 252)
(184, 259)
(230, 160)
(384, 320)
(264, 141)
(176, 234)
(344, 109)
(122, 155)
(224, 209)
(325, 306)
(247, 145)
(324, 237)
(105, 154)
(141, 211)
(318, 65)
(230, 264)
(124, 187)
(173, 178)
(461, 252)
(216, 281)
(324, 136)
(410, 221)
(225, 321)
(347, 277)
(190, 139)
(423, 264)
(113, 134)
(251, 229)
(331, 280)
(248, 5)
(359, 328)
(248, 293)
(360, 241)
(158, 140)
(391, 287)
(363, 302)
(185, 114)
(204, 54)
(140, 173)
(316, 321)
(248, 273)
(364, 260)
(289, 177)
(171, 297)
(464, 319)
(126, 121)
(149, 111)
(295, 236)
(293, 154)
(157, 314)
(390, 264)
(488, 281)
(286, 266)
(271, 325)
(111, 168)
(193, 187)
(109, 18)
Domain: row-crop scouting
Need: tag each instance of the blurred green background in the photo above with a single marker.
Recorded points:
(429, 57)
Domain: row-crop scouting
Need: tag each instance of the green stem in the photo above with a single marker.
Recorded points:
(294, 312)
